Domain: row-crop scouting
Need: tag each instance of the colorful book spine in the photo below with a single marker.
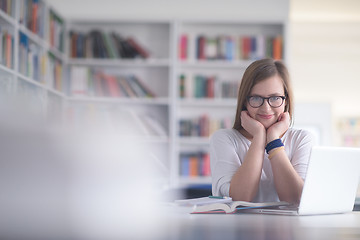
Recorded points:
(195, 164)
(31, 15)
(99, 44)
(7, 6)
(99, 84)
(232, 48)
(56, 31)
(6, 48)
(211, 86)
(202, 126)
(31, 59)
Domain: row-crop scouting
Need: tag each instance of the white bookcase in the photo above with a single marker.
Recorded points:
(160, 72)
(31, 74)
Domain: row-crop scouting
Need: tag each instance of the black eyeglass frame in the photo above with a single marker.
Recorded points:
(267, 99)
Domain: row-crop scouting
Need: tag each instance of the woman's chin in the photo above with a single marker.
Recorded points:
(267, 124)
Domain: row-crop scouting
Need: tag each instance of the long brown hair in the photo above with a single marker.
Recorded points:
(259, 71)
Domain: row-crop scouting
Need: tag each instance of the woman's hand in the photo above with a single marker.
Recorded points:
(251, 125)
(278, 128)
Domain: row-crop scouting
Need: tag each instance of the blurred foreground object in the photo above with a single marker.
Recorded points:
(71, 185)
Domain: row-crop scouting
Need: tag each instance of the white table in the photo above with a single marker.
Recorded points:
(179, 224)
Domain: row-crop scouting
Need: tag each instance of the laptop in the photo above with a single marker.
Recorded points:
(330, 185)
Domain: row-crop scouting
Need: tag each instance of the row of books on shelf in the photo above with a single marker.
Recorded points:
(114, 119)
(56, 31)
(100, 44)
(200, 86)
(91, 82)
(54, 72)
(6, 48)
(349, 124)
(39, 65)
(351, 140)
(231, 48)
(202, 126)
(7, 6)
(194, 164)
(31, 15)
(350, 131)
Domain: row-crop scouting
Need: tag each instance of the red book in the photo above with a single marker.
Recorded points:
(210, 87)
(35, 7)
(193, 165)
(98, 87)
(113, 87)
(206, 164)
(277, 48)
(139, 49)
(201, 48)
(183, 48)
(246, 47)
(8, 50)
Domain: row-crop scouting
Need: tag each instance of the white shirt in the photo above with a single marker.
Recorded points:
(228, 148)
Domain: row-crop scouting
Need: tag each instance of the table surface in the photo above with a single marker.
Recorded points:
(178, 223)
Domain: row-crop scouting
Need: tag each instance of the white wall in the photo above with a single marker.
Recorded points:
(325, 53)
(172, 9)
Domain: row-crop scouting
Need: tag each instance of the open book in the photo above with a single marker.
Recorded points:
(234, 206)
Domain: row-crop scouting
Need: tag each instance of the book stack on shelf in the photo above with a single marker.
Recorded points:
(225, 47)
(195, 164)
(202, 126)
(204, 86)
(99, 44)
(95, 83)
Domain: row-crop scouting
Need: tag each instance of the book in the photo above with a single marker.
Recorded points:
(233, 206)
(203, 201)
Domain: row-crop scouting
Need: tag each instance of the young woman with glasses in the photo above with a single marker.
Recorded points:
(261, 159)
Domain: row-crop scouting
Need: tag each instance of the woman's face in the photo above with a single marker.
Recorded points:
(266, 114)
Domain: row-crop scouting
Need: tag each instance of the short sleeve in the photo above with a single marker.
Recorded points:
(303, 142)
(224, 161)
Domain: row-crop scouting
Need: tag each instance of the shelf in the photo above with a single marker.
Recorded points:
(200, 141)
(6, 69)
(146, 101)
(7, 18)
(194, 180)
(41, 42)
(207, 102)
(121, 62)
(39, 84)
(223, 64)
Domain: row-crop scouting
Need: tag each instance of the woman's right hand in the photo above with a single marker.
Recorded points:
(251, 125)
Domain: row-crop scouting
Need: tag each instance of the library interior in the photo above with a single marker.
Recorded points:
(107, 108)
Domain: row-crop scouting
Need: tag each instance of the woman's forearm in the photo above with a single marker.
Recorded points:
(287, 181)
(245, 182)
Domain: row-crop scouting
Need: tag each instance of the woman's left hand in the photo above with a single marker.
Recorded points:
(278, 128)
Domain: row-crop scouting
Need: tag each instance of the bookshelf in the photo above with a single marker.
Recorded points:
(188, 90)
(135, 97)
(212, 57)
(31, 67)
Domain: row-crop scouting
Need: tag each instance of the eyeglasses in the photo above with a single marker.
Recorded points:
(274, 101)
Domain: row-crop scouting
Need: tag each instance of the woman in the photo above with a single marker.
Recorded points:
(261, 159)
